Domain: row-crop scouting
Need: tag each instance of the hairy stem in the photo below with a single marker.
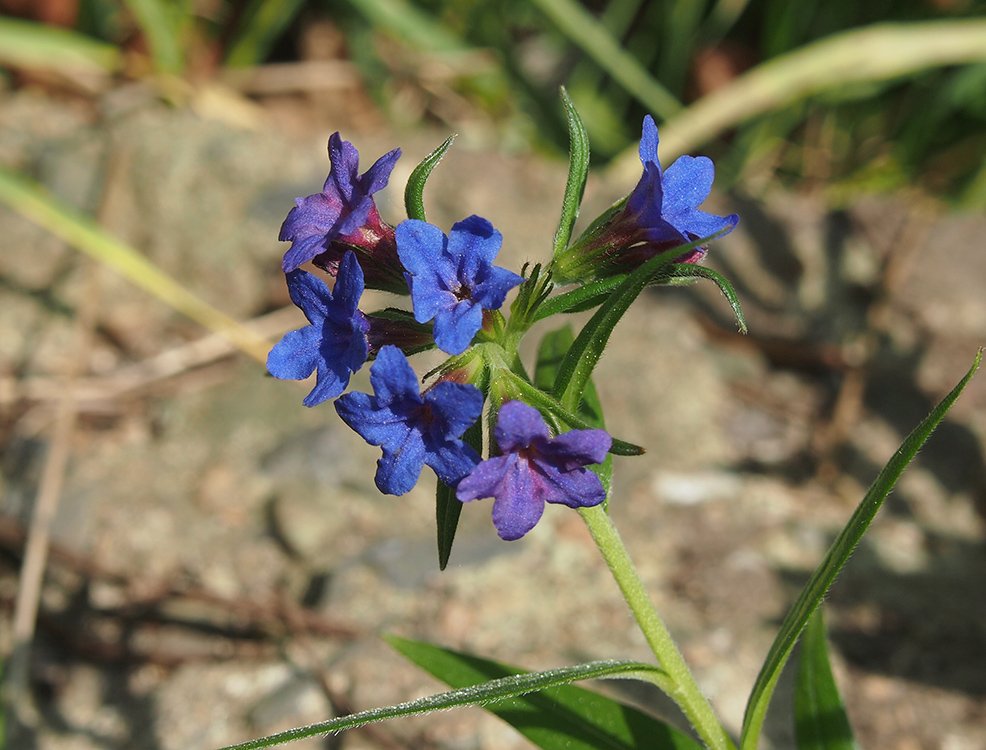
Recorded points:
(682, 687)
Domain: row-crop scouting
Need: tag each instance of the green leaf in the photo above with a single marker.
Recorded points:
(581, 359)
(695, 271)
(508, 686)
(448, 506)
(262, 24)
(824, 575)
(559, 717)
(578, 171)
(414, 191)
(819, 715)
(25, 44)
(544, 402)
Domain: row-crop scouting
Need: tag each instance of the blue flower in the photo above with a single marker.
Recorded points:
(335, 344)
(453, 279)
(535, 468)
(665, 206)
(660, 213)
(413, 428)
(340, 209)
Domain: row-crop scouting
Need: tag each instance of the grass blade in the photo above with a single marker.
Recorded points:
(262, 23)
(819, 715)
(24, 44)
(162, 24)
(837, 556)
(562, 717)
(81, 232)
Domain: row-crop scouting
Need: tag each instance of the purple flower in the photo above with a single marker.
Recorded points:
(535, 468)
(453, 279)
(661, 213)
(413, 428)
(335, 344)
(340, 209)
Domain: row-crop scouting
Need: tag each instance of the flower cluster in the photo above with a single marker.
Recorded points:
(456, 293)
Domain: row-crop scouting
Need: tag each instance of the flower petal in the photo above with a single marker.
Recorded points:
(392, 378)
(474, 238)
(484, 480)
(577, 448)
(517, 507)
(578, 488)
(455, 406)
(376, 424)
(377, 176)
(348, 288)
(451, 460)
(687, 183)
(456, 326)
(295, 356)
(310, 293)
(345, 164)
(492, 291)
(518, 425)
(648, 142)
(400, 465)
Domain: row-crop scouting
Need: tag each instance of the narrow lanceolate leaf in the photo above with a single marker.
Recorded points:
(551, 352)
(414, 191)
(695, 271)
(837, 556)
(581, 359)
(447, 505)
(547, 404)
(578, 171)
(559, 717)
(820, 719)
(584, 297)
(506, 687)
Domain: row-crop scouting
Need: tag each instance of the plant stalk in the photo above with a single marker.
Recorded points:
(682, 686)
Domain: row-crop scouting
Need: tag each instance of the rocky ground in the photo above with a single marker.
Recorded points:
(222, 566)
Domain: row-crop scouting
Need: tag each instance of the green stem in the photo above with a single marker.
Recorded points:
(682, 687)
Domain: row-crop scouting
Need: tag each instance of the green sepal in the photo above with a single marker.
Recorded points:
(551, 352)
(693, 271)
(414, 202)
(835, 559)
(583, 298)
(560, 716)
(578, 171)
(581, 360)
(514, 385)
(820, 719)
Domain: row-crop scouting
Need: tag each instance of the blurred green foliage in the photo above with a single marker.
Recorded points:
(505, 59)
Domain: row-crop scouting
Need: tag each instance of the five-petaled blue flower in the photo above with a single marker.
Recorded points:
(335, 344)
(413, 428)
(453, 279)
(340, 209)
(665, 205)
(535, 468)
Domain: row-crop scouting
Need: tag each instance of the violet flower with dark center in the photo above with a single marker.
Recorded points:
(340, 209)
(376, 250)
(661, 213)
(335, 344)
(453, 279)
(535, 468)
(413, 428)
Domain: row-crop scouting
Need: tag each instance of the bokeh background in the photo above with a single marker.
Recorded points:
(189, 557)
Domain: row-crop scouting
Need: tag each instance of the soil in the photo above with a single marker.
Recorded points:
(222, 566)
